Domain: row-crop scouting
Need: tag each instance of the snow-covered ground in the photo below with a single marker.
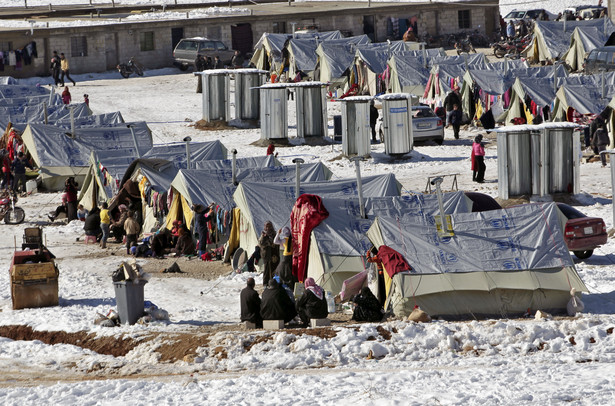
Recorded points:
(505, 362)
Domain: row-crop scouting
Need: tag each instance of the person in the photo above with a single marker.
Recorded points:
(66, 97)
(456, 120)
(270, 148)
(18, 167)
(132, 229)
(185, 244)
(450, 100)
(65, 69)
(202, 217)
(312, 304)
(59, 210)
(199, 65)
(276, 305)
(217, 64)
(86, 99)
(479, 158)
(70, 188)
(599, 142)
(175, 231)
(208, 63)
(56, 65)
(373, 119)
(6, 170)
(105, 222)
(237, 60)
(92, 223)
(285, 268)
(161, 242)
(82, 213)
(510, 30)
(367, 306)
(250, 304)
(117, 227)
(409, 35)
(270, 252)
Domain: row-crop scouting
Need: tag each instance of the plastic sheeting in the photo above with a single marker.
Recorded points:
(585, 99)
(249, 162)
(199, 152)
(24, 101)
(21, 116)
(7, 80)
(334, 60)
(582, 41)
(10, 91)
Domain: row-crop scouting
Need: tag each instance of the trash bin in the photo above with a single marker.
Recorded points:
(337, 127)
(129, 300)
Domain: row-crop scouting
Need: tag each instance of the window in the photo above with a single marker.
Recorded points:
(78, 46)
(6, 46)
(464, 19)
(279, 28)
(220, 46)
(146, 39)
(207, 46)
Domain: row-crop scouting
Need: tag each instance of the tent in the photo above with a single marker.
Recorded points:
(199, 152)
(499, 263)
(58, 154)
(582, 41)
(408, 73)
(22, 101)
(21, 116)
(552, 39)
(7, 80)
(261, 202)
(339, 243)
(446, 72)
(334, 60)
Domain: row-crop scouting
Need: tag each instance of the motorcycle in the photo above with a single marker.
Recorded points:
(464, 45)
(512, 48)
(8, 211)
(130, 67)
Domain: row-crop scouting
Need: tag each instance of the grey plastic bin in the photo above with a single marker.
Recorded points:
(129, 300)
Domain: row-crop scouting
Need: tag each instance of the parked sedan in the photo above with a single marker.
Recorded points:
(426, 126)
(582, 234)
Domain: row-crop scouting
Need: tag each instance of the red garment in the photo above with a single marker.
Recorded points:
(270, 149)
(392, 260)
(307, 213)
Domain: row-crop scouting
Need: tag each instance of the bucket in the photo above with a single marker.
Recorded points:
(31, 186)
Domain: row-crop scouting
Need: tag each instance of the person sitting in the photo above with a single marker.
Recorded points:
(161, 242)
(117, 227)
(185, 243)
(276, 305)
(92, 224)
(312, 304)
(175, 230)
(367, 307)
(60, 209)
(82, 212)
(250, 304)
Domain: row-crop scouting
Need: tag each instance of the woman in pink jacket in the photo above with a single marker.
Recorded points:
(478, 151)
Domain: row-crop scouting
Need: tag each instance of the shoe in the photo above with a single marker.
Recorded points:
(51, 218)
(74, 84)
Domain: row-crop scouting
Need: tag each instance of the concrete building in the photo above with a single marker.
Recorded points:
(96, 48)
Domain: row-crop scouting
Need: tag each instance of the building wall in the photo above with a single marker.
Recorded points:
(108, 45)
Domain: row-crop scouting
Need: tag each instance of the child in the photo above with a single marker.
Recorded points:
(132, 229)
(86, 100)
(105, 222)
(82, 213)
(455, 118)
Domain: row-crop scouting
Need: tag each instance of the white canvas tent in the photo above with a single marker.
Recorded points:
(582, 41)
(499, 263)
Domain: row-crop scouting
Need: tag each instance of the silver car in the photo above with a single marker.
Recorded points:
(426, 126)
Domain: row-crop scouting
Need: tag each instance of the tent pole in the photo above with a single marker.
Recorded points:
(134, 139)
(437, 182)
(357, 168)
(297, 162)
(187, 141)
(46, 112)
(234, 167)
(72, 121)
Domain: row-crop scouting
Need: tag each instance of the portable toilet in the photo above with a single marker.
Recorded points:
(560, 158)
(397, 123)
(356, 125)
(273, 109)
(311, 99)
(247, 99)
(216, 90)
(515, 161)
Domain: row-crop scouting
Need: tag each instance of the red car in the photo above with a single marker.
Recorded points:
(582, 234)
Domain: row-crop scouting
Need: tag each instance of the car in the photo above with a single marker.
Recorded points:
(582, 234)
(599, 59)
(586, 12)
(532, 14)
(187, 49)
(426, 126)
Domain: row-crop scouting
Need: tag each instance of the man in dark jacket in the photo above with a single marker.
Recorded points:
(373, 119)
(56, 65)
(367, 307)
(91, 226)
(455, 118)
(237, 60)
(312, 305)
(18, 167)
(276, 305)
(451, 99)
(251, 304)
(199, 65)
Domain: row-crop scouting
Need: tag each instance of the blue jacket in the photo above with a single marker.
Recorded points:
(19, 166)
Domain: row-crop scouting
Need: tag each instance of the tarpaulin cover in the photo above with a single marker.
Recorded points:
(303, 54)
(410, 70)
(306, 214)
(584, 98)
(392, 261)
(249, 162)
(7, 80)
(582, 41)
(199, 151)
(21, 116)
(94, 120)
(334, 59)
(10, 91)
(523, 237)
(507, 64)
(23, 101)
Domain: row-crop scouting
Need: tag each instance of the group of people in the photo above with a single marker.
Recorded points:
(99, 223)
(201, 63)
(60, 69)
